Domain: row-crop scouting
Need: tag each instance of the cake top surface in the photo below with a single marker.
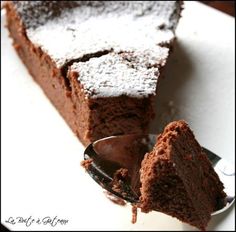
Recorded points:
(71, 30)
(133, 74)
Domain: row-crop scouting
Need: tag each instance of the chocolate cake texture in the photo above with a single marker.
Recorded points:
(97, 61)
(178, 179)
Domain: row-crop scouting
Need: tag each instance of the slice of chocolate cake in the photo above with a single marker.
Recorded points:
(178, 179)
(97, 61)
(118, 89)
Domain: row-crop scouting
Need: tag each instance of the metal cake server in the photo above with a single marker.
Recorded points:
(127, 151)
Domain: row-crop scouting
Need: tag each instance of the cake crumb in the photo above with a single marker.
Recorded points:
(115, 199)
(134, 213)
(86, 163)
(119, 179)
(121, 174)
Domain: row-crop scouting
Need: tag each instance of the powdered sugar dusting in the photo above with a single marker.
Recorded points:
(113, 75)
(71, 31)
(130, 73)
(131, 30)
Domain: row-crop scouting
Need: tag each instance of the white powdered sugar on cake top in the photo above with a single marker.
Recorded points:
(113, 74)
(97, 34)
(71, 30)
(110, 76)
(89, 27)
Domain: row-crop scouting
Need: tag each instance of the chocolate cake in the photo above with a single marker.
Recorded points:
(178, 179)
(97, 61)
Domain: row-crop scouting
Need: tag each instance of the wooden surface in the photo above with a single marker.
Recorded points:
(225, 6)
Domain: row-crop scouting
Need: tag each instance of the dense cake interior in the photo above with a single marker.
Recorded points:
(178, 179)
(97, 61)
(116, 86)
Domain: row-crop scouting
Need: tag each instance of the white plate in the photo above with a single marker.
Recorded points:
(41, 173)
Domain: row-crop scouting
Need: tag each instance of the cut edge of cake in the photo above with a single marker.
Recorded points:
(178, 179)
(82, 111)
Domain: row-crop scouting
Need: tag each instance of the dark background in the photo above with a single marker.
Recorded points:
(225, 6)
